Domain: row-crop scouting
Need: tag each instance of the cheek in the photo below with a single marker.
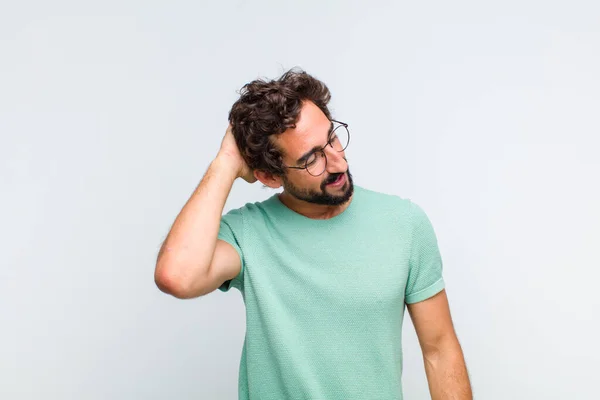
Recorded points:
(312, 182)
(306, 181)
(316, 181)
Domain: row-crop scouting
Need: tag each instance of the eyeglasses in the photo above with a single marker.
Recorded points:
(316, 163)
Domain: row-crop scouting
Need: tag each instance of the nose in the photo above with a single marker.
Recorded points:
(336, 162)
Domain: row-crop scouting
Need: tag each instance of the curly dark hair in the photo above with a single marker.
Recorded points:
(268, 108)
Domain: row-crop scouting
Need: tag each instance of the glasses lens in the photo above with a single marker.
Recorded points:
(340, 138)
(315, 165)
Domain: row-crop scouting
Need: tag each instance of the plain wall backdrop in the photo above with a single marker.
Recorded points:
(485, 114)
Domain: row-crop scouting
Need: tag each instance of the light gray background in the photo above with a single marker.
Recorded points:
(485, 114)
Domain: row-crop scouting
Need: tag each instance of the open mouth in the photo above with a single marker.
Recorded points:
(338, 181)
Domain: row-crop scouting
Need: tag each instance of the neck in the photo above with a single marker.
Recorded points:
(312, 210)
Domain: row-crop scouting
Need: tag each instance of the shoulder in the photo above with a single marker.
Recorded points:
(386, 201)
(250, 211)
(400, 208)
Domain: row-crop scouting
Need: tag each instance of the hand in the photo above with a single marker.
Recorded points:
(230, 150)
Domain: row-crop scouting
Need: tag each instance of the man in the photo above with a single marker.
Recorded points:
(325, 267)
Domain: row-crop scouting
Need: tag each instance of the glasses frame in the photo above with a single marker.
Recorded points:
(322, 150)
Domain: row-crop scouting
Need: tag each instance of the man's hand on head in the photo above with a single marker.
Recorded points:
(230, 152)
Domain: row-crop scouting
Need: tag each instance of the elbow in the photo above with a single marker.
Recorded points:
(175, 284)
(443, 347)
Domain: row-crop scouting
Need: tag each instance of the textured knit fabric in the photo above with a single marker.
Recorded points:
(325, 299)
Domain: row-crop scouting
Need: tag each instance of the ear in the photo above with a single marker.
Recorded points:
(268, 179)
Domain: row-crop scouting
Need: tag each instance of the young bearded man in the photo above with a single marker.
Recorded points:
(326, 268)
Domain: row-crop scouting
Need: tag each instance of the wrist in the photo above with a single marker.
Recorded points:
(228, 164)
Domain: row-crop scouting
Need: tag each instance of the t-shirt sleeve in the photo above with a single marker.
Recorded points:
(231, 231)
(425, 263)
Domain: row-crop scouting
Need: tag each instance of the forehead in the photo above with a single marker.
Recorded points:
(311, 130)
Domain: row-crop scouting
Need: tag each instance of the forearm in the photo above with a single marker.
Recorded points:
(186, 253)
(446, 372)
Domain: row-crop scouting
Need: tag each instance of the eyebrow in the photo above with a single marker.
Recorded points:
(305, 156)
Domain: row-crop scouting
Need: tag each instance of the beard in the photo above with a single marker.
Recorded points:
(322, 196)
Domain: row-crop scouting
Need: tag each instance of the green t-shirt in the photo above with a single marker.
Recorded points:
(325, 299)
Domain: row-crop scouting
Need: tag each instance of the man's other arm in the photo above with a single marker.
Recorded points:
(445, 366)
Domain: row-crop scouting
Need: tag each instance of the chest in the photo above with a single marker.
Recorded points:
(330, 275)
